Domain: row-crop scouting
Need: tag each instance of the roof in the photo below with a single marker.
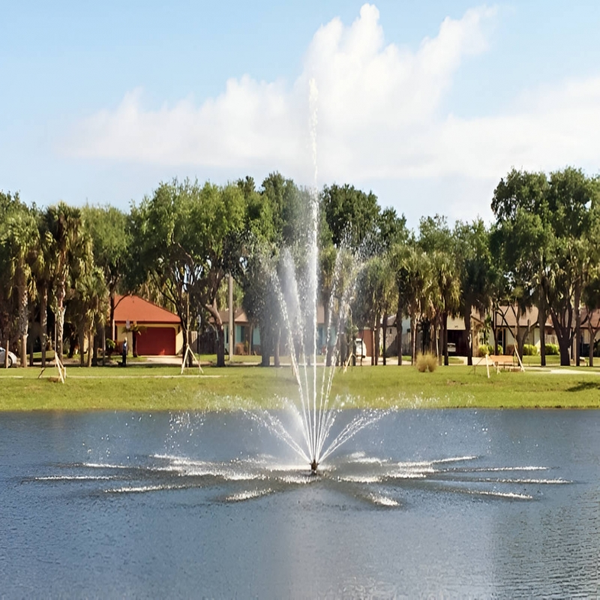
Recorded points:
(240, 317)
(138, 310)
(506, 316)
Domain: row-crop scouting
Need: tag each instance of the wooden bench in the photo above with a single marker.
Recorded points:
(500, 361)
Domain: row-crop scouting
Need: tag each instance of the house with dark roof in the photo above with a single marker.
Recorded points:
(157, 331)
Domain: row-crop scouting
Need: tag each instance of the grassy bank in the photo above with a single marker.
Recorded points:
(142, 387)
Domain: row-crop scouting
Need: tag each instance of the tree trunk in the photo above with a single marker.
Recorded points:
(495, 334)
(91, 347)
(326, 314)
(30, 342)
(103, 342)
(577, 302)
(542, 326)
(6, 347)
(113, 333)
(95, 342)
(44, 323)
(265, 351)
(60, 319)
(563, 334)
(375, 342)
(445, 340)
(220, 345)
(591, 349)
(399, 334)
(413, 340)
(440, 342)
(276, 361)
(82, 335)
(469, 337)
(565, 359)
(384, 328)
(23, 317)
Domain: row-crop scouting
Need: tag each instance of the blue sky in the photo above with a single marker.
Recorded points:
(426, 103)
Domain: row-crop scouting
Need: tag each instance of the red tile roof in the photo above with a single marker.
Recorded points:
(138, 310)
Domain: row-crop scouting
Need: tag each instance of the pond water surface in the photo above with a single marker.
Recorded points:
(447, 503)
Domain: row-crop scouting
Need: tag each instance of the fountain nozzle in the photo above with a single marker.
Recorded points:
(313, 466)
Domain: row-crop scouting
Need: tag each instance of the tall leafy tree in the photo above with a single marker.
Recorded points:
(181, 237)
(111, 247)
(544, 229)
(522, 244)
(572, 201)
(352, 215)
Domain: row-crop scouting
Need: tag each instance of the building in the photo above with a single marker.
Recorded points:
(157, 331)
(246, 336)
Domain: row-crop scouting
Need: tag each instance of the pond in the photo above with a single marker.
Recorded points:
(422, 503)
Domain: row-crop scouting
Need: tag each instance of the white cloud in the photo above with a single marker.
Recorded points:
(379, 116)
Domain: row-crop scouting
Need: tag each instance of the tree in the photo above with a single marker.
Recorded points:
(573, 214)
(95, 299)
(64, 225)
(19, 238)
(180, 238)
(475, 271)
(412, 270)
(521, 240)
(440, 243)
(352, 216)
(8, 304)
(111, 246)
(547, 227)
(445, 297)
(375, 298)
(591, 300)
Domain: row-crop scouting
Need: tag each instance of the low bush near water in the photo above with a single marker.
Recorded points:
(427, 362)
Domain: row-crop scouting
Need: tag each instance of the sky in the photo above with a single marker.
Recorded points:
(427, 104)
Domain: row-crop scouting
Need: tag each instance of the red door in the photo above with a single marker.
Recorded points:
(156, 341)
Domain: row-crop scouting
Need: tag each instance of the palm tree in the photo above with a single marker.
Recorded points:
(446, 288)
(93, 304)
(43, 269)
(413, 280)
(64, 224)
(20, 239)
(476, 271)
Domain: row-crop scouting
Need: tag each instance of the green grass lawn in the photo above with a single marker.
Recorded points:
(144, 387)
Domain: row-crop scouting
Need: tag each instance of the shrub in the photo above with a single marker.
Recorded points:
(488, 349)
(427, 362)
(110, 346)
(551, 349)
(529, 350)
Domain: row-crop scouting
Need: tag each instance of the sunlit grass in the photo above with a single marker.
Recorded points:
(145, 387)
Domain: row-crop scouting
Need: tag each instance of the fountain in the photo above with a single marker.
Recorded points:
(298, 296)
